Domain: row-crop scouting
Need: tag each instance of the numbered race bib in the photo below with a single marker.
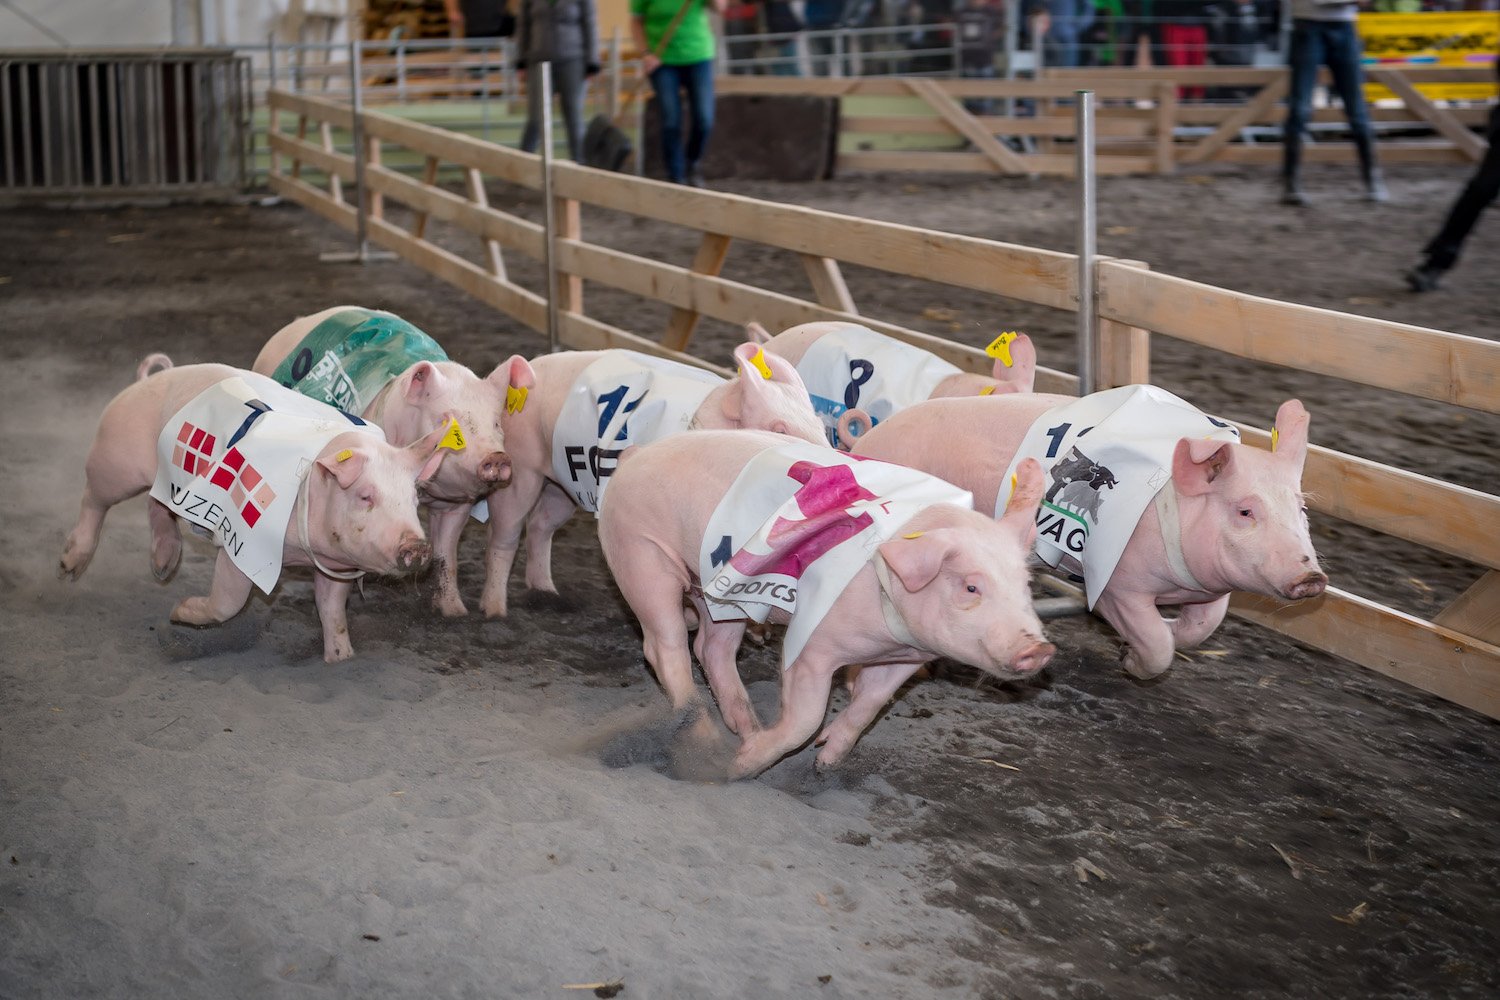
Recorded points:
(348, 358)
(796, 526)
(232, 459)
(857, 367)
(1106, 456)
(625, 398)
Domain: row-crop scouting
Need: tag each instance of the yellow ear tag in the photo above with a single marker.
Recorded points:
(987, 390)
(515, 399)
(1000, 348)
(759, 361)
(454, 439)
(1014, 479)
(914, 534)
(1274, 436)
(344, 455)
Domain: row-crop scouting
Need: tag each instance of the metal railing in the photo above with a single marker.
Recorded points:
(128, 123)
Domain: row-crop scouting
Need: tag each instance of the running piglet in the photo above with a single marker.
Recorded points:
(866, 563)
(274, 478)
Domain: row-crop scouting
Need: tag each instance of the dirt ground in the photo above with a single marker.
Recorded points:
(487, 809)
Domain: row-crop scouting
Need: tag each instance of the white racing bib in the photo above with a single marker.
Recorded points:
(625, 398)
(881, 375)
(1106, 456)
(232, 459)
(796, 526)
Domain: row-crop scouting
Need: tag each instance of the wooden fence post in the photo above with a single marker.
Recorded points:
(1166, 125)
(709, 259)
(1124, 351)
(569, 227)
(372, 159)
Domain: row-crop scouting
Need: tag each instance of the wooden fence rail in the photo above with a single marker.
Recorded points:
(1142, 125)
(1456, 655)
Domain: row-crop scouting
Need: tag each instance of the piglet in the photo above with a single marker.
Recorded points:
(274, 478)
(865, 562)
(587, 408)
(858, 377)
(1210, 515)
(379, 366)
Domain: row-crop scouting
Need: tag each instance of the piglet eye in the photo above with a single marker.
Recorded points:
(972, 589)
(1245, 512)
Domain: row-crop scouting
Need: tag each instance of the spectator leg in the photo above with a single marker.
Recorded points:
(667, 82)
(699, 79)
(572, 84)
(1479, 193)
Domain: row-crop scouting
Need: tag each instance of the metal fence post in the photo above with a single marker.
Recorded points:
(362, 254)
(613, 108)
(548, 210)
(356, 103)
(1088, 319)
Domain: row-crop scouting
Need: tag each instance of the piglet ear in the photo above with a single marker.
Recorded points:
(749, 381)
(1020, 374)
(514, 372)
(1025, 499)
(424, 381)
(425, 455)
(757, 333)
(345, 465)
(1291, 433)
(1198, 462)
(917, 558)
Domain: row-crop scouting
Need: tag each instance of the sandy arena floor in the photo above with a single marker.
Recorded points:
(486, 808)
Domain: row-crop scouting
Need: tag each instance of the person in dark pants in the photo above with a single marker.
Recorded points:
(1323, 35)
(1480, 192)
(564, 33)
(686, 63)
(978, 25)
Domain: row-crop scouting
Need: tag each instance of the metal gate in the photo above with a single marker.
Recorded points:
(123, 123)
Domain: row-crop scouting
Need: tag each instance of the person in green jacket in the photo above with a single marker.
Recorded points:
(686, 63)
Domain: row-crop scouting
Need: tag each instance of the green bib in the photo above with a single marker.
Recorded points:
(349, 357)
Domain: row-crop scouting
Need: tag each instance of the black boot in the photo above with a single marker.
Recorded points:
(1291, 169)
(1369, 170)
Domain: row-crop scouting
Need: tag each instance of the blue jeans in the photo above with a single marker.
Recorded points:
(1336, 45)
(668, 82)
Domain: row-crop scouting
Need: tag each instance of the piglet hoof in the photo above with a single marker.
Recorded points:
(830, 754)
(492, 605)
(1136, 666)
(164, 567)
(449, 605)
(194, 611)
(71, 566)
(338, 650)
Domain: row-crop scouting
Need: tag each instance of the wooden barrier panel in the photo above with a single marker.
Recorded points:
(1455, 141)
(1456, 656)
(1409, 359)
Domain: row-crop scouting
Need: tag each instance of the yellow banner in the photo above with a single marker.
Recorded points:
(1456, 39)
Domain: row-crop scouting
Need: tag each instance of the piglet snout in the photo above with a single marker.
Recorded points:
(495, 468)
(1308, 585)
(1033, 658)
(413, 552)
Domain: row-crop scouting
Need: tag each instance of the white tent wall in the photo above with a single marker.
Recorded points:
(52, 24)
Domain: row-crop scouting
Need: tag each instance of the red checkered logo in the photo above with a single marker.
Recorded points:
(194, 451)
(247, 490)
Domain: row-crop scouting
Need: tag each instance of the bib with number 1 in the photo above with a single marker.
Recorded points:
(1106, 456)
(625, 398)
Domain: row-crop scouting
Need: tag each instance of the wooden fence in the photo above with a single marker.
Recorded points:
(1141, 122)
(1456, 655)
